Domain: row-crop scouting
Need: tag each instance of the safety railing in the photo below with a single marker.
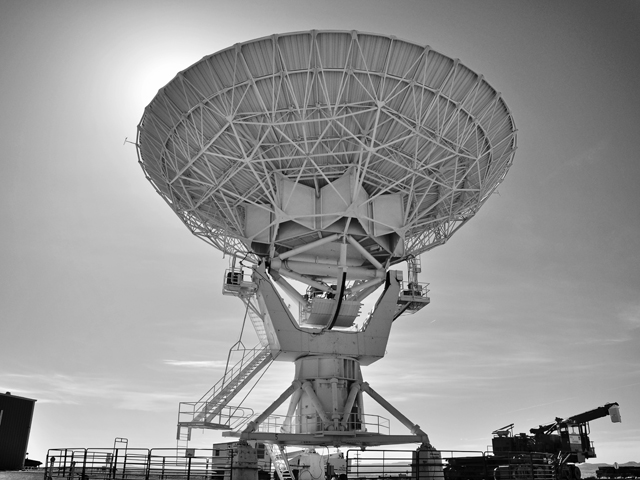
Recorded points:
(380, 464)
(369, 464)
(197, 412)
(256, 319)
(502, 466)
(424, 464)
(415, 289)
(230, 416)
(420, 464)
(313, 423)
(141, 464)
(238, 283)
(412, 297)
(98, 463)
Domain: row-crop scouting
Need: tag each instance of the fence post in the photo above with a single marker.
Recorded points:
(146, 477)
(112, 474)
(46, 467)
(64, 465)
(188, 468)
(72, 470)
(84, 465)
(484, 464)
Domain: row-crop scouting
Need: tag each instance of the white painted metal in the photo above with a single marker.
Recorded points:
(276, 142)
(209, 411)
(278, 455)
(289, 341)
(325, 157)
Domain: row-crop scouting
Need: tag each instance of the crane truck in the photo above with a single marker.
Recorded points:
(550, 452)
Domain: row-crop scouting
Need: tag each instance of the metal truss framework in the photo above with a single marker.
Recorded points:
(311, 106)
(324, 157)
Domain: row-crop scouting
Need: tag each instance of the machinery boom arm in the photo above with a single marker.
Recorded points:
(580, 418)
(599, 412)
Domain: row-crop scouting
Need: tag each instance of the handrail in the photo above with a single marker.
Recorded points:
(278, 424)
(247, 356)
(213, 404)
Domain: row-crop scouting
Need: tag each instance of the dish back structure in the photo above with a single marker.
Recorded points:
(271, 143)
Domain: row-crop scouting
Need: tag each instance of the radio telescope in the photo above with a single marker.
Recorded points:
(322, 158)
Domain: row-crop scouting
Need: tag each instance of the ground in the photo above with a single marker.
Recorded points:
(37, 474)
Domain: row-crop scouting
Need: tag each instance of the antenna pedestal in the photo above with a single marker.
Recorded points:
(290, 341)
(326, 404)
(329, 398)
(326, 408)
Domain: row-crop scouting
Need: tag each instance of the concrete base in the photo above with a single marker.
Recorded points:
(245, 463)
(426, 464)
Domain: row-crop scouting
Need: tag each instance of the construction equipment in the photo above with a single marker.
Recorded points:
(550, 453)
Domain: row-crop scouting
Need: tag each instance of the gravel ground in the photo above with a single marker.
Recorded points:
(37, 474)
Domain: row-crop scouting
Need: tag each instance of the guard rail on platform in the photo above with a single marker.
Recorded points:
(137, 464)
(214, 464)
(313, 423)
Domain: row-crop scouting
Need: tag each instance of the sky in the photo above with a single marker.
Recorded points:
(111, 312)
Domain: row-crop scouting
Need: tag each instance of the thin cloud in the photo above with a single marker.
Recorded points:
(62, 388)
(149, 401)
(65, 389)
(196, 363)
(532, 407)
(630, 316)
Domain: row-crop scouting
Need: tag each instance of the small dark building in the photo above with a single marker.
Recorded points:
(15, 425)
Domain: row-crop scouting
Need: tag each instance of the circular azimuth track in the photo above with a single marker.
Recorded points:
(278, 142)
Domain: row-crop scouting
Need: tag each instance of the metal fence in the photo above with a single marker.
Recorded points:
(137, 464)
(216, 464)
(409, 464)
(448, 465)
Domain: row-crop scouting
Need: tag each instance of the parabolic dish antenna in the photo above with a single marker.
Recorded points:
(324, 157)
(276, 142)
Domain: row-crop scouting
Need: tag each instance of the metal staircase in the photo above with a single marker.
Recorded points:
(279, 460)
(256, 319)
(212, 410)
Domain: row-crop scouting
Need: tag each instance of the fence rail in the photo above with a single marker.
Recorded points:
(217, 464)
(448, 465)
(137, 464)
